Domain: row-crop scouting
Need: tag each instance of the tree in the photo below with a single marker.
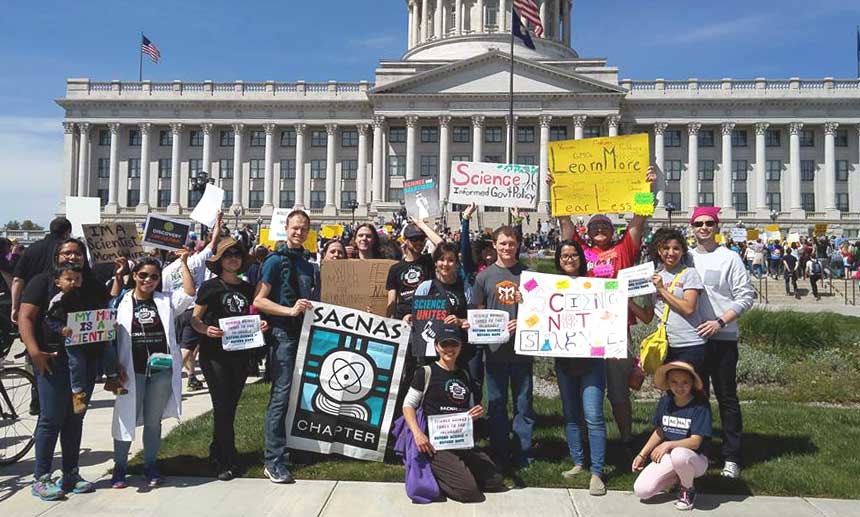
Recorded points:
(13, 225)
(30, 225)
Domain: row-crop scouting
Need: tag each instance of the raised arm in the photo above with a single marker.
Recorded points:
(216, 231)
(431, 234)
(636, 226)
(466, 241)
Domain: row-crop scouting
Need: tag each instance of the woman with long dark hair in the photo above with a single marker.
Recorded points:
(365, 242)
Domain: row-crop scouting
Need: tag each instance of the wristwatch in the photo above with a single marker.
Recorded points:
(721, 322)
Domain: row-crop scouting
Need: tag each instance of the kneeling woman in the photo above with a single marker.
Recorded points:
(462, 474)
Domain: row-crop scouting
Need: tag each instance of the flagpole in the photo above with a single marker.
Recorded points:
(140, 52)
(511, 105)
(857, 52)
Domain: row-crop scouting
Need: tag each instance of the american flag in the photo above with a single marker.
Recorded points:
(529, 11)
(149, 48)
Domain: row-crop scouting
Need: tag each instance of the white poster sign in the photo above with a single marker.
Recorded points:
(494, 184)
(739, 234)
(81, 211)
(241, 333)
(451, 431)
(93, 326)
(278, 224)
(206, 211)
(638, 279)
(488, 327)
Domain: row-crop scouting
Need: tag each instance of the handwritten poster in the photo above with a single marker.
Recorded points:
(638, 279)
(451, 431)
(369, 292)
(739, 234)
(494, 184)
(241, 333)
(278, 224)
(601, 175)
(562, 316)
(110, 241)
(488, 327)
(93, 326)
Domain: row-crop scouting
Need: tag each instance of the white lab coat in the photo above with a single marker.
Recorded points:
(125, 411)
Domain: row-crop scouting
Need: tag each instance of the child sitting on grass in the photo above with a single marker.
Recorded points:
(682, 431)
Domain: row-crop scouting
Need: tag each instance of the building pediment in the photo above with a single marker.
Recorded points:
(489, 74)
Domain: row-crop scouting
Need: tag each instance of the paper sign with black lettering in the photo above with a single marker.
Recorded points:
(428, 315)
(451, 431)
(421, 198)
(345, 382)
(94, 326)
(164, 233)
(739, 234)
(241, 333)
(494, 184)
(110, 241)
(488, 327)
(638, 279)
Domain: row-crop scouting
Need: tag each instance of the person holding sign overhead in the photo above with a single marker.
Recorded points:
(224, 296)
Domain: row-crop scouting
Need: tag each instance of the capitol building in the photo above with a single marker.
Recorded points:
(764, 149)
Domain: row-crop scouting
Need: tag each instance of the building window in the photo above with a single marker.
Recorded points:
(396, 135)
(396, 165)
(163, 198)
(673, 169)
(225, 168)
(258, 138)
(134, 138)
(526, 135)
(492, 135)
(492, 158)
(257, 168)
(349, 138)
(772, 138)
(228, 199)
(195, 138)
(318, 169)
(429, 135)
(195, 167)
(739, 170)
(672, 138)
(591, 132)
(673, 199)
(288, 138)
(104, 168)
(165, 138)
(346, 198)
(774, 201)
(461, 158)
(773, 170)
(132, 198)
(807, 138)
(706, 199)
(461, 134)
(194, 197)
(228, 138)
(317, 199)
(395, 195)
(706, 170)
(104, 137)
(134, 167)
(165, 167)
(841, 170)
(319, 138)
(287, 198)
(429, 165)
(255, 198)
(739, 138)
(557, 133)
(841, 138)
(526, 159)
(288, 170)
(348, 169)
(807, 170)
(739, 201)
(807, 201)
(842, 201)
(492, 16)
(706, 138)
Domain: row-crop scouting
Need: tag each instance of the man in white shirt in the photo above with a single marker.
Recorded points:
(728, 294)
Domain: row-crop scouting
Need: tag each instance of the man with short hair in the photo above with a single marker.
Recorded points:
(37, 259)
(283, 295)
(728, 294)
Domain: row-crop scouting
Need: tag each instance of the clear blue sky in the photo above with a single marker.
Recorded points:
(45, 42)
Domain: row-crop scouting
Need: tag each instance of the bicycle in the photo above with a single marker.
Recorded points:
(17, 385)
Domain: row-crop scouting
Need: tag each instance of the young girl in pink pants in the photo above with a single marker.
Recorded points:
(682, 429)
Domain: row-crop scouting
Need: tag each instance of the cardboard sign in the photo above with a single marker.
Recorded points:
(571, 317)
(428, 315)
(206, 211)
(451, 431)
(110, 241)
(339, 285)
(345, 383)
(241, 333)
(739, 234)
(494, 184)
(601, 175)
(94, 326)
(164, 233)
(421, 198)
(81, 211)
(488, 327)
(638, 279)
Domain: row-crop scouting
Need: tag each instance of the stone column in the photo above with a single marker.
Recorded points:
(692, 166)
(760, 170)
(411, 121)
(206, 127)
(543, 18)
(545, 121)
(330, 157)
(112, 206)
(458, 17)
(830, 170)
(175, 169)
(444, 158)
(556, 18)
(503, 15)
(578, 125)
(477, 138)
(794, 171)
(480, 25)
(145, 130)
(660, 162)
(566, 20)
(437, 20)
(410, 34)
(238, 135)
(361, 172)
(69, 164)
(612, 122)
(268, 170)
(725, 187)
(511, 138)
(378, 169)
(84, 160)
(425, 20)
(299, 183)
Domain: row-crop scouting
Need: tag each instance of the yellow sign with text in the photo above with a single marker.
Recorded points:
(264, 239)
(331, 231)
(311, 241)
(601, 175)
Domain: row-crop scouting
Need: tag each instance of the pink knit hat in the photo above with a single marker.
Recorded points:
(712, 211)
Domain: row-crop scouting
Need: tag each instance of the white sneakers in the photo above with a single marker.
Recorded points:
(731, 470)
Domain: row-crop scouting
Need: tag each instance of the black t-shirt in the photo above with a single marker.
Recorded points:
(147, 333)
(791, 263)
(37, 258)
(404, 277)
(223, 300)
(448, 392)
(456, 296)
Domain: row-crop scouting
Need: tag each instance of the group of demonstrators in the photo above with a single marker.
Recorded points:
(168, 313)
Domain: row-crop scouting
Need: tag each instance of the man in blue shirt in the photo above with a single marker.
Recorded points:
(283, 295)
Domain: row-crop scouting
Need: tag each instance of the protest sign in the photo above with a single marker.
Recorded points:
(93, 326)
(601, 175)
(820, 229)
(428, 315)
(81, 211)
(206, 211)
(739, 234)
(793, 237)
(264, 239)
(494, 184)
(488, 327)
(278, 224)
(345, 382)
(752, 235)
(164, 233)
(336, 275)
(311, 241)
(638, 279)
(331, 231)
(241, 333)
(450, 431)
(110, 241)
(562, 316)
(421, 198)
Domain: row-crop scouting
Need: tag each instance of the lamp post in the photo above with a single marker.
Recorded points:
(401, 214)
(353, 205)
(259, 226)
(670, 207)
(237, 211)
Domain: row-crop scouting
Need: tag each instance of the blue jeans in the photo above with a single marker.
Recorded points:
(152, 395)
(56, 418)
(281, 363)
(584, 392)
(519, 375)
(79, 365)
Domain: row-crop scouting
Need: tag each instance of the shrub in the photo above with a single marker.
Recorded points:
(795, 334)
(755, 366)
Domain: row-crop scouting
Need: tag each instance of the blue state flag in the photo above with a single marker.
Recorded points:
(520, 31)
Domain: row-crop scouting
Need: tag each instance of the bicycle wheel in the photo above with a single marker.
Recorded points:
(17, 425)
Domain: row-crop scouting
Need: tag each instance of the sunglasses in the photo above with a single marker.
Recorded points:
(418, 238)
(144, 276)
(709, 224)
(232, 254)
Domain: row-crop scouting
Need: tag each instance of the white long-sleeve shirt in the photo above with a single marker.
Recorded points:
(727, 286)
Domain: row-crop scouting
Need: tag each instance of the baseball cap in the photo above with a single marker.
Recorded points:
(449, 333)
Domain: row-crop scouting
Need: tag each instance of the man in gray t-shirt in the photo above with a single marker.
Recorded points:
(681, 330)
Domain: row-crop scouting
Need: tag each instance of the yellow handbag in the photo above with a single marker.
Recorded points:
(652, 351)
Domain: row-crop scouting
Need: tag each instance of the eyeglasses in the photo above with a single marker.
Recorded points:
(569, 258)
(71, 254)
(144, 276)
(709, 224)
